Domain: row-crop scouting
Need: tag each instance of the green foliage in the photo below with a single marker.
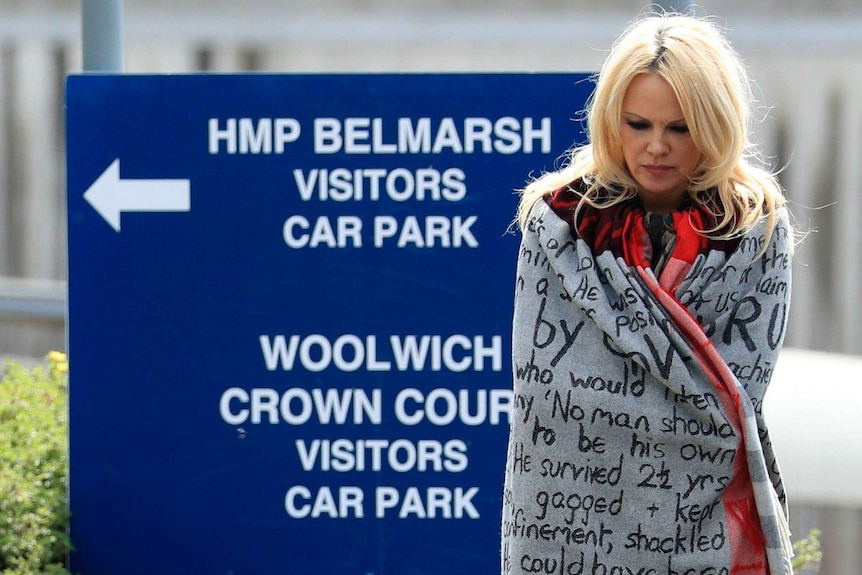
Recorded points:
(33, 468)
(807, 552)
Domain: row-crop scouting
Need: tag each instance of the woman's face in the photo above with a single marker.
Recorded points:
(657, 147)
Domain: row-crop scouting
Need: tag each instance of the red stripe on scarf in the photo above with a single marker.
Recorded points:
(747, 542)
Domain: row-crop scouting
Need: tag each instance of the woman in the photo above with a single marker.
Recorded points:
(652, 292)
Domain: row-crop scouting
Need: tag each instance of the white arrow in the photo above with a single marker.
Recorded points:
(111, 196)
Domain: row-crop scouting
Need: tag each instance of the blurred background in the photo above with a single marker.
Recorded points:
(805, 56)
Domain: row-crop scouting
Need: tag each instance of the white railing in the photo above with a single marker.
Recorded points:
(814, 407)
(33, 299)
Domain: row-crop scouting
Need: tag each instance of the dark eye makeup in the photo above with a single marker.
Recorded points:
(644, 125)
(637, 124)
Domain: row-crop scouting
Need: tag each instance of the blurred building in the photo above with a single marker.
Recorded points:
(805, 55)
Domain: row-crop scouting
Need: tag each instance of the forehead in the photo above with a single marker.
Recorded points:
(650, 96)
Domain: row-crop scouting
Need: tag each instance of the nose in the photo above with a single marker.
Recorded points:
(657, 145)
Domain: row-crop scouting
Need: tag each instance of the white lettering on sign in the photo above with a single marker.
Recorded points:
(442, 406)
(299, 232)
(348, 501)
(432, 231)
(350, 352)
(475, 135)
(248, 136)
(286, 400)
(399, 184)
(506, 135)
(297, 406)
(400, 455)
(449, 504)
(410, 232)
(299, 503)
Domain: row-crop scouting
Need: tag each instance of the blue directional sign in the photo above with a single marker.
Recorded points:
(289, 316)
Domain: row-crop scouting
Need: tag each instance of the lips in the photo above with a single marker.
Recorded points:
(657, 170)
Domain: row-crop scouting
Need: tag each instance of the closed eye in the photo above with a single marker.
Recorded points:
(637, 124)
(679, 129)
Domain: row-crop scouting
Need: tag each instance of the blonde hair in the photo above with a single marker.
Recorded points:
(712, 86)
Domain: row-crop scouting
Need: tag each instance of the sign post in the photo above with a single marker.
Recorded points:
(102, 35)
(289, 316)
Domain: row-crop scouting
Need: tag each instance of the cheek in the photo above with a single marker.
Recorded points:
(629, 145)
(691, 154)
(695, 158)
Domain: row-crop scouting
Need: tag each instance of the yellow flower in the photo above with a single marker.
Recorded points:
(60, 361)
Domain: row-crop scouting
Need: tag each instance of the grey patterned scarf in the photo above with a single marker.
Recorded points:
(638, 444)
